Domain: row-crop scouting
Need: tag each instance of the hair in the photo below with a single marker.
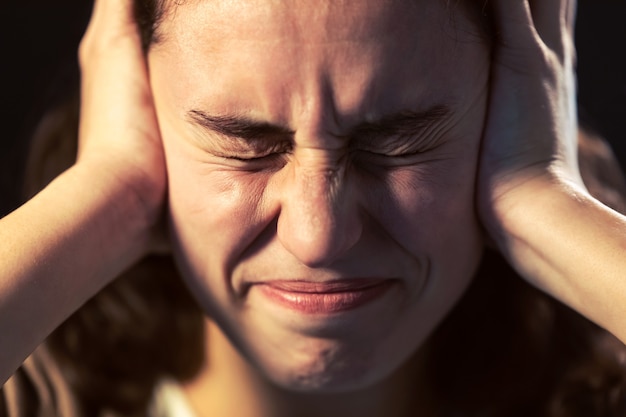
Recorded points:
(148, 15)
(506, 349)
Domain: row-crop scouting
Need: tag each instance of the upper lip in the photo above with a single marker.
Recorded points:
(325, 287)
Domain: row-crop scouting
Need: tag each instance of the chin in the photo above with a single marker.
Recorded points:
(327, 380)
(325, 366)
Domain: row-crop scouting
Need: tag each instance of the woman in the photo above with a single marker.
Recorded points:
(323, 167)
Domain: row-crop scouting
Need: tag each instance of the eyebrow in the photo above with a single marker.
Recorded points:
(402, 124)
(399, 125)
(240, 127)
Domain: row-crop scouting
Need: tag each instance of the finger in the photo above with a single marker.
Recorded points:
(112, 17)
(570, 23)
(111, 46)
(514, 25)
(112, 26)
(114, 76)
(554, 22)
(570, 15)
(518, 43)
(547, 20)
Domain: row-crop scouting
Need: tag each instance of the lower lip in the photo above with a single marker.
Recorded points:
(324, 302)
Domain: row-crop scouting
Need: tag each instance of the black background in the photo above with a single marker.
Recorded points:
(39, 38)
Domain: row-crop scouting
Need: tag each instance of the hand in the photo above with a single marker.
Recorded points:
(119, 134)
(101, 215)
(531, 131)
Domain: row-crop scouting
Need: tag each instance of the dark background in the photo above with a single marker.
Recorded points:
(38, 41)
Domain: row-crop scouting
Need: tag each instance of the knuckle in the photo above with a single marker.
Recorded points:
(84, 51)
(98, 46)
(87, 47)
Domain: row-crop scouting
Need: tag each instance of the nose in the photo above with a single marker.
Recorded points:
(319, 219)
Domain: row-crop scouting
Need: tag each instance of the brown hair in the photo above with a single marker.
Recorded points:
(141, 328)
(505, 350)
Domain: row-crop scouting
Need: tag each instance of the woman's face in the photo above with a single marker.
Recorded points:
(321, 159)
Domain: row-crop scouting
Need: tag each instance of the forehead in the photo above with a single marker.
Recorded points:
(353, 53)
(322, 19)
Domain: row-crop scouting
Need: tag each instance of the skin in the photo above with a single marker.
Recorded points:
(103, 214)
(324, 204)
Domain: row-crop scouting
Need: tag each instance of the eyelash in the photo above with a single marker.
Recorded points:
(274, 151)
(270, 160)
(256, 158)
(399, 155)
(408, 153)
(272, 156)
(413, 153)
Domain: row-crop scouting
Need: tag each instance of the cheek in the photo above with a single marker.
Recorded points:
(432, 212)
(213, 213)
(429, 209)
(431, 215)
(211, 209)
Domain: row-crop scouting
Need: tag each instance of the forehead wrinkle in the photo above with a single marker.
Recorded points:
(343, 84)
(271, 21)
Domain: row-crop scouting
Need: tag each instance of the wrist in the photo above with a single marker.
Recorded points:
(568, 244)
(123, 210)
(539, 225)
(504, 205)
(59, 249)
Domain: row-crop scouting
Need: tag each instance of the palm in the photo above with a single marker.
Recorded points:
(531, 128)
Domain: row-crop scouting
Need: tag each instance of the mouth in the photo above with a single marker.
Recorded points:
(324, 297)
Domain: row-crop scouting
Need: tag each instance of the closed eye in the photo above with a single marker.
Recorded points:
(256, 158)
(403, 147)
(403, 134)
